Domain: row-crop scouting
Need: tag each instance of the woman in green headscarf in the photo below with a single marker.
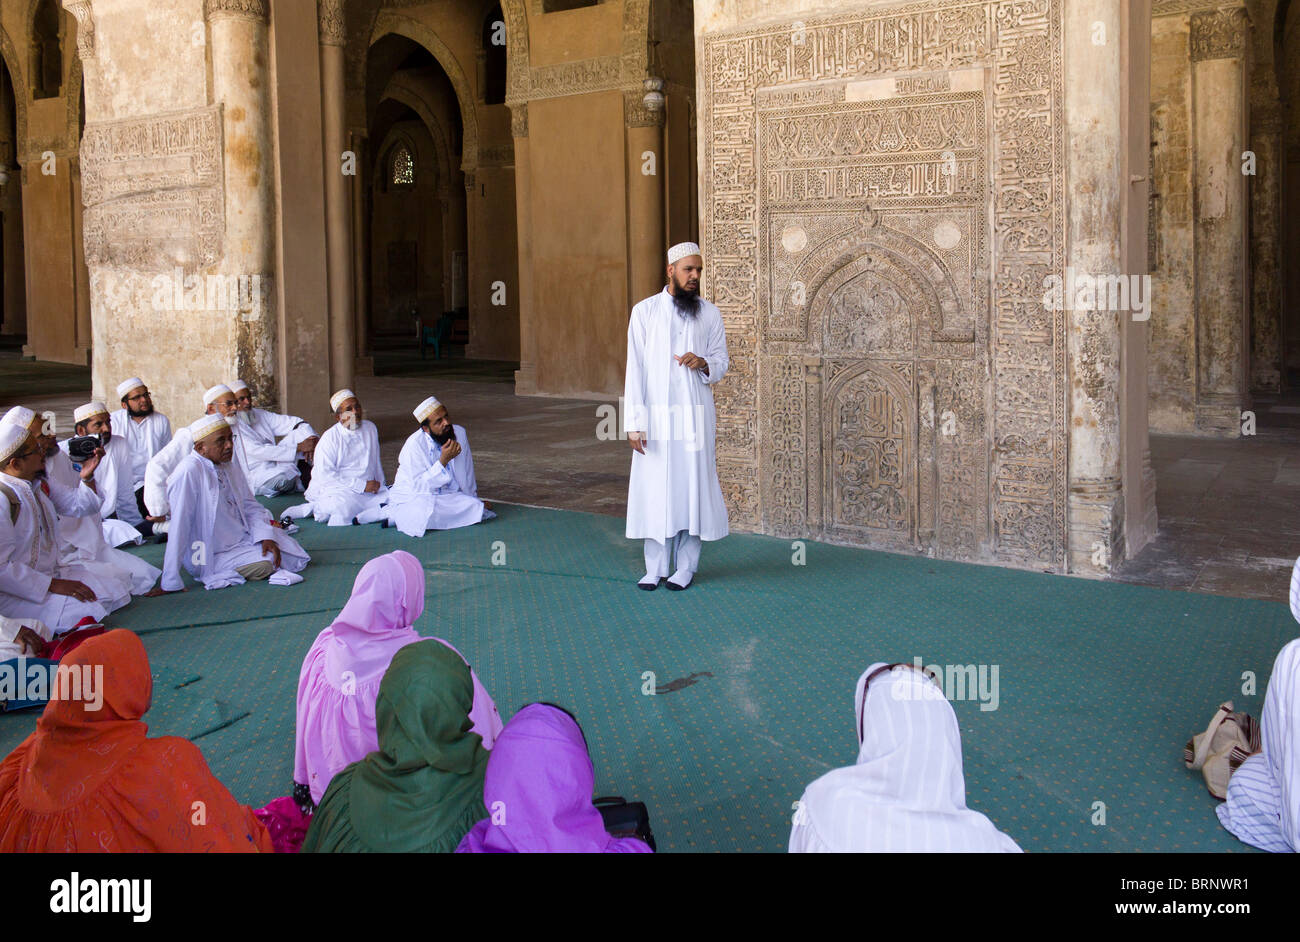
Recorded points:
(423, 789)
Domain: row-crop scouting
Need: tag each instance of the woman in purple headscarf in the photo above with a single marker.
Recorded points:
(538, 792)
(341, 674)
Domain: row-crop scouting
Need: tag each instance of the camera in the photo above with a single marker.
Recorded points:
(82, 447)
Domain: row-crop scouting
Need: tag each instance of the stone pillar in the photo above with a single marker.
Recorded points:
(80, 271)
(1094, 224)
(364, 364)
(1218, 52)
(333, 68)
(239, 40)
(526, 375)
(1265, 245)
(15, 291)
(645, 196)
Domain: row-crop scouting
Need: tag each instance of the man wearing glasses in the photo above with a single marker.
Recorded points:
(145, 433)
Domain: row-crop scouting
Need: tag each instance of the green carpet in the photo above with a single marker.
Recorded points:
(1100, 684)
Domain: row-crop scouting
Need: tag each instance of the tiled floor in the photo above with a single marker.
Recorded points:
(1229, 509)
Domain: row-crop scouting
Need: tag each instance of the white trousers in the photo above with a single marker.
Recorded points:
(657, 553)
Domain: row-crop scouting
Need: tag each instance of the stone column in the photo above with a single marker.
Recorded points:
(365, 364)
(1265, 222)
(80, 272)
(1218, 51)
(1095, 142)
(338, 248)
(526, 375)
(240, 53)
(645, 195)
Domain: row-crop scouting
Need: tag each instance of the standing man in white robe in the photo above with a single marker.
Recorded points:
(276, 447)
(435, 487)
(144, 431)
(33, 583)
(347, 482)
(118, 512)
(219, 532)
(82, 540)
(676, 352)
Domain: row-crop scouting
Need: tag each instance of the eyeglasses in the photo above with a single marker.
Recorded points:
(885, 669)
(137, 397)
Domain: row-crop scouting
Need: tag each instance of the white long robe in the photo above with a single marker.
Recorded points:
(1263, 804)
(674, 485)
(427, 496)
(29, 558)
(88, 541)
(345, 460)
(266, 459)
(144, 439)
(906, 793)
(162, 468)
(217, 525)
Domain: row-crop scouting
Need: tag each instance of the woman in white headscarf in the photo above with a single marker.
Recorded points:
(1263, 804)
(906, 793)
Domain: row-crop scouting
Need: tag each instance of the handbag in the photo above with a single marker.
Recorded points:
(1228, 741)
(624, 818)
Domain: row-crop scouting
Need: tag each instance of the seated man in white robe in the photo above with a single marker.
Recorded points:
(117, 504)
(82, 539)
(435, 488)
(144, 431)
(33, 582)
(276, 448)
(219, 532)
(347, 481)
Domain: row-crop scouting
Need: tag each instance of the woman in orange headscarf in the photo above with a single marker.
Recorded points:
(89, 779)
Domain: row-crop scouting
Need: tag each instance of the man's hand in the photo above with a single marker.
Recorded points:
(78, 590)
(90, 464)
(372, 487)
(449, 451)
(691, 361)
(156, 519)
(308, 447)
(637, 441)
(270, 547)
(28, 640)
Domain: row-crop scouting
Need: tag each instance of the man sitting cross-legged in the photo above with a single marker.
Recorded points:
(435, 488)
(219, 532)
(347, 481)
(277, 448)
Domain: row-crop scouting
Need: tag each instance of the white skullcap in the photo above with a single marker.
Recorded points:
(426, 409)
(94, 407)
(682, 250)
(236, 385)
(340, 397)
(127, 385)
(206, 426)
(215, 393)
(11, 439)
(18, 415)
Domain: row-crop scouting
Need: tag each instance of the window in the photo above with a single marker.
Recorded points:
(401, 170)
(47, 56)
(494, 58)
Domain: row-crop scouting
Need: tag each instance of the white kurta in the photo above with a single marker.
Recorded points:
(345, 460)
(29, 558)
(427, 496)
(674, 485)
(114, 482)
(217, 525)
(162, 468)
(267, 460)
(88, 541)
(144, 439)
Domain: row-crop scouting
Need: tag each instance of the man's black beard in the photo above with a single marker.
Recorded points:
(147, 410)
(443, 439)
(686, 301)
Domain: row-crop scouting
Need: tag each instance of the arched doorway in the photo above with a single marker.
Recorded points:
(13, 281)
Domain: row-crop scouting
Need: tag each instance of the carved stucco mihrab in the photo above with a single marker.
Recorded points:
(882, 201)
(153, 191)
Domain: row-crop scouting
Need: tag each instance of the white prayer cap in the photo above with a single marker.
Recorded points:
(18, 415)
(682, 250)
(215, 393)
(11, 439)
(127, 385)
(236, 385)
(206, 426)
(94, 407)
(340, 397)
(427, 408)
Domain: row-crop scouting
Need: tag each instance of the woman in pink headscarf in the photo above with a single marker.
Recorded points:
(340, 676)
(538, 791)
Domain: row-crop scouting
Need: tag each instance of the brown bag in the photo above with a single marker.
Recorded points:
(1227, 742)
